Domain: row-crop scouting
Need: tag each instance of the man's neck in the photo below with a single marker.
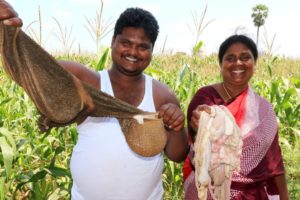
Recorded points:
(130, 89)
(118, 77)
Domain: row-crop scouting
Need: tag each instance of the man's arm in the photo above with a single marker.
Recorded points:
(83, 73)
(168, 108)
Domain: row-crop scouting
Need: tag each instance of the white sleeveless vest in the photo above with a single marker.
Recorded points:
(103, 167)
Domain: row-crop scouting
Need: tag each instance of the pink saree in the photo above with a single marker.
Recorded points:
(261, 158)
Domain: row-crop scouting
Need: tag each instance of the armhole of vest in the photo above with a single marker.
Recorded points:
(150, 92)
(149, 85)
(102, 79)
(100, 82)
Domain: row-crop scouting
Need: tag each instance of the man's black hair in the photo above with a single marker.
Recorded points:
(138, 18)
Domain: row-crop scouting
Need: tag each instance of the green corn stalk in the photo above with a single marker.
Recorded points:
(8, 149)
(40, 164)
(103, 60)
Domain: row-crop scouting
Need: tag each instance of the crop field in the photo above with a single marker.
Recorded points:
(36, 166)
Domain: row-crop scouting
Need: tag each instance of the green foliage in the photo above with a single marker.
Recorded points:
(103, 60)
(197, 47)
(36, 166)
(269, 62)
(172, 180)
(8, 149)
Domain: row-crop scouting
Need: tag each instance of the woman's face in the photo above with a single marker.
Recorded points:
(237, 65)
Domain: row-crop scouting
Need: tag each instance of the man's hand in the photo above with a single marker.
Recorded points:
(177, 145)
(194, 123)
(9, 15)
(172, 116)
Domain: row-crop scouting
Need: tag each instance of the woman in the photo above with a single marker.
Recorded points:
(262, 171)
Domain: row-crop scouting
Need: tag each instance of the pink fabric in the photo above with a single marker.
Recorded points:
(238, 108)
(259, 139)
(261, 158)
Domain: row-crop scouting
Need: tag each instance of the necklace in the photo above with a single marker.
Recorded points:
(227, 93)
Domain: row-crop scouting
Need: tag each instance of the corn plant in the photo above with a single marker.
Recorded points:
(64, 36)
(98, 28)
(36, 166)
(197, 29)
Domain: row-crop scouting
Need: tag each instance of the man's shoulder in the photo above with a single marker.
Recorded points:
(84, 73)
(163, 94)
(159, 85)
(161, 88)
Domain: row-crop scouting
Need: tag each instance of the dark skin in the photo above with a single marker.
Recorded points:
(131, 54)
(237, 68)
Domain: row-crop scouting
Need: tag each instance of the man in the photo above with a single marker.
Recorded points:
(102, 164)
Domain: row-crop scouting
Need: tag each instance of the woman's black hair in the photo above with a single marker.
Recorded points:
(237, 39)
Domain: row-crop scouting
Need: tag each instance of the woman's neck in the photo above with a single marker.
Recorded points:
(233, 91)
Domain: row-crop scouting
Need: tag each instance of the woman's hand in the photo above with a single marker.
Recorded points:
(194, 123)
(9, 15)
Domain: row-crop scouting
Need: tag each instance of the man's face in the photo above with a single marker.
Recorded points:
(131, 51)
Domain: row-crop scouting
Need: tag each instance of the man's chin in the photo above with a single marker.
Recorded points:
(131, 72)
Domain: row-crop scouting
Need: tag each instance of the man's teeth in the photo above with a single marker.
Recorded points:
(131, 59)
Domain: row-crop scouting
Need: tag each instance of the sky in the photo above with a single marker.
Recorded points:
(175, 18)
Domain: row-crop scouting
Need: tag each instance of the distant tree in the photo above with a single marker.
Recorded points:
(259, 15)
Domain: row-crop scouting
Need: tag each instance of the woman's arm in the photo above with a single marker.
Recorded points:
(281, 184)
